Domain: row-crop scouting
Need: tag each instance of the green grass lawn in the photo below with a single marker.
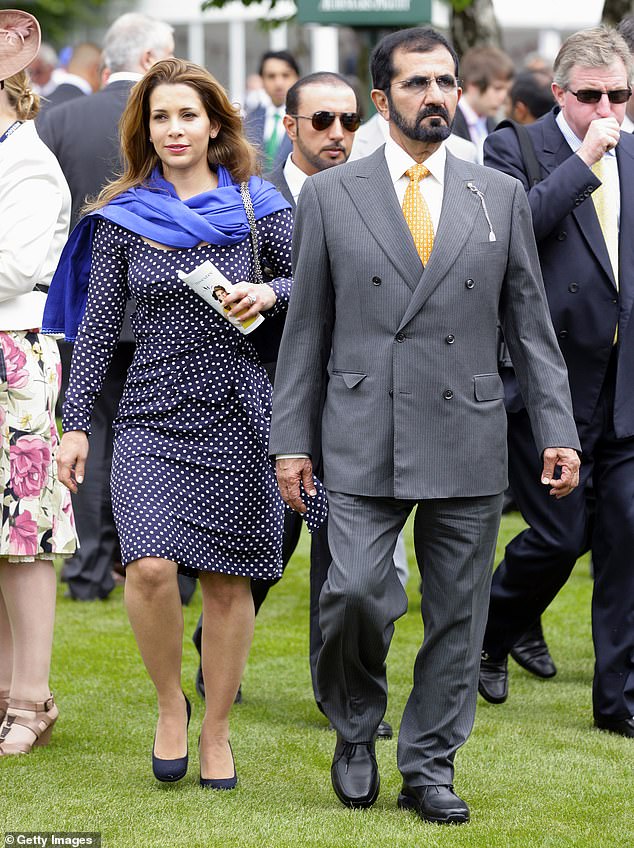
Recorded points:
(535, 772)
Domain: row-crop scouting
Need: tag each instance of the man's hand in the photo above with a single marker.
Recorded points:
(289, 474)
(568, 461)
(603, 134)
(71, 459)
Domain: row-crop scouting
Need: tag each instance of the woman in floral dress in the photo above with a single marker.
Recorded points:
(37, 521)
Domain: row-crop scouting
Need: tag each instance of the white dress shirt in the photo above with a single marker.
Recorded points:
(294, 176)
(269, 122)
(477, 125)
(432, 187)
(627, 125)
(34, 219)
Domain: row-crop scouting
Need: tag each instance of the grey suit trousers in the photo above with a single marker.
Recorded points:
(362, 598)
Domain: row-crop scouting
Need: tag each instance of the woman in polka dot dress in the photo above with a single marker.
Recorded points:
(193, 488)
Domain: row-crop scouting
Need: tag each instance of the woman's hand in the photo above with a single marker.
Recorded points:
(71, 459)
(247, 300)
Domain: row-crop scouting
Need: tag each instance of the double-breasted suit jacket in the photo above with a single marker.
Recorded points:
(414, 404)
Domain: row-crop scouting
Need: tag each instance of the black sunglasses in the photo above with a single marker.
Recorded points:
(593, 95)
(322, 120)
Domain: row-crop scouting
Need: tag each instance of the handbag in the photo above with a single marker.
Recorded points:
(266, 339)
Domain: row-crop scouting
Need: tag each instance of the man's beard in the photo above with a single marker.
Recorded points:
(319, 163)
(418, 131)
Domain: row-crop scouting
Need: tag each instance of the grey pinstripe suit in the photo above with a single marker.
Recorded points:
(413, 416)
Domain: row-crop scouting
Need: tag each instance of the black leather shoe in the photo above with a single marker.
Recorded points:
(436, 804)
(493, 684)
(531, 652)
(354, 773)
(622, 726)
(200, 687)
(384, 731)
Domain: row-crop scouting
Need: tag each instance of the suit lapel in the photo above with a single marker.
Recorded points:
(460, 207)
(625, 160)
(373, 195)
(557, 150)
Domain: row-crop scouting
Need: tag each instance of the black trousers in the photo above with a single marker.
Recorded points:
(539, 560)
(88, 573)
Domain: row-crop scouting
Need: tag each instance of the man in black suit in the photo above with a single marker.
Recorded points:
(583, 217)
(83, 135)
(487, 74)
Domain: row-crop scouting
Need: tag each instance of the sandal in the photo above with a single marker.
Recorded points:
(41, 725)
(4, 703)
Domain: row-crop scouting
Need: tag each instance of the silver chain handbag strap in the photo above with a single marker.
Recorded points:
(255, 243)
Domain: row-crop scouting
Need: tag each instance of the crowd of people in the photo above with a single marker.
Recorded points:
(445, 304)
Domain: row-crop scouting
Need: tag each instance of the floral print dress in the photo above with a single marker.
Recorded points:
(37, 517)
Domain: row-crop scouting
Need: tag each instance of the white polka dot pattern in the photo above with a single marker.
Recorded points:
(191, 477)
(417, 213)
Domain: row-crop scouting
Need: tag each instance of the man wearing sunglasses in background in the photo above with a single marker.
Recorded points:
(583, 217)
(401, 270)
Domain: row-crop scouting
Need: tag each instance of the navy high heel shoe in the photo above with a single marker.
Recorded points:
(220, 782)
(169, 771)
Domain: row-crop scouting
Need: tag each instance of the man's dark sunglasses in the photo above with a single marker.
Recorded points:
(322, 120)
(593, 95)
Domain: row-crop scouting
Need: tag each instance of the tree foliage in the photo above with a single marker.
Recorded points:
(58, 18)
(615, 10)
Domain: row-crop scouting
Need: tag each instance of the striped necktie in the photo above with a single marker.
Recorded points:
(417, 213)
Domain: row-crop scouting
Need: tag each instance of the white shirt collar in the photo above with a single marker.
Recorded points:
(79, 82)
(627, 125)
(294, 176)
(398, 161)
(126, 76)
(470, 115)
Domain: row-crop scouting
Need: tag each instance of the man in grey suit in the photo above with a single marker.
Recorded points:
(413, 416)
(83, 135)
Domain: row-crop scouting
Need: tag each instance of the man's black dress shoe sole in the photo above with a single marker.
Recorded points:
(532, 654)
(620, 726)
(355, 774)
(450, 809)
(493, 681)
(384, 731)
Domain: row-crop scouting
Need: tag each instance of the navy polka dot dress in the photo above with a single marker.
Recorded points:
(191, 477)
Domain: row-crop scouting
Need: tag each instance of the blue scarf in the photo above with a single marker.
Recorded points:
(153, 211)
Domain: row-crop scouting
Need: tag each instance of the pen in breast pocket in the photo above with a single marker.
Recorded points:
(472, 187)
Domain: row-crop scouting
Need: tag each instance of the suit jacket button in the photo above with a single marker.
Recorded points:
(469, 283)
(562, 236)
(391, 393)
(450, 339)
(377, 281)
(447, 394)
(400, 337)
(573, 287)
(563, 334)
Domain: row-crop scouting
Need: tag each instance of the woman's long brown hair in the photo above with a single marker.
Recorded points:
(230, 147)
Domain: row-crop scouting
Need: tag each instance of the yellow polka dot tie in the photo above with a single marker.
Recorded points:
(417, 213)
